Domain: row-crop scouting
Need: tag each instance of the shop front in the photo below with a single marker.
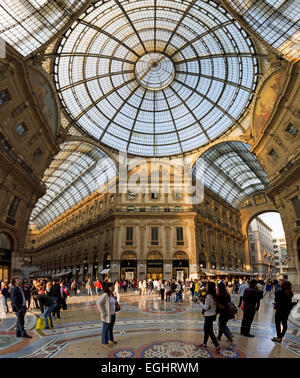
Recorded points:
(128, 266)
(155, 266)
(180, 266)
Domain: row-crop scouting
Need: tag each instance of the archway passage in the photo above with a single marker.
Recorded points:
(180, 266)
(267, 245)
(128, 266)
(6, 248)
(154, 266)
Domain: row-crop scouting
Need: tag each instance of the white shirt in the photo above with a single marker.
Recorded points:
(112, 305)
(209, 306)
(242, 289)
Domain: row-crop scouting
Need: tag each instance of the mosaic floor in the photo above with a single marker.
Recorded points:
(146, 327)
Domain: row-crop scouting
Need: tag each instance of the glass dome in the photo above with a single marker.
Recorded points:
(155, 77)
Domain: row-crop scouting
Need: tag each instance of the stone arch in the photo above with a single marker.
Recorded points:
(180, 255)
(154, 255)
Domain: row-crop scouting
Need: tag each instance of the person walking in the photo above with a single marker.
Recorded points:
(98, 287)
(106, 305)
(241, 291)
(74, 287)
(162, 290)
(268, 289)
(18, 303)
(283, 306)
(47, 306)
(5, 293)
(88, 286)
(179, 292)
(34, 294)
(117, 290)
(223, 299)
(250, 298)
(55, 293)
(209, 308)
(2, 306)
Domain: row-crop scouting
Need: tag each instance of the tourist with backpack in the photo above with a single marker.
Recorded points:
(227, 311)
(209, 308)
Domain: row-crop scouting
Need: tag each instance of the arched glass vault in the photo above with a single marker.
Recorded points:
(276, 21)
(76, 171)
(233, 172)
(27, 25)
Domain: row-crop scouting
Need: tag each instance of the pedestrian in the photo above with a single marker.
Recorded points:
(2, 306)
(47, 306)
(209, 308)
(117, 290)
(283, 306)
(55, 293)
(88, 286)
(268, 289)
(179, 292)
(5, 293)
(63, 296)
(98, 287)
(242, 289)
(250, 298)
(162, 290)
(106, 305)
(34, 294)
(74, 287)
(18, 303)
(223, 299)
(192, 288)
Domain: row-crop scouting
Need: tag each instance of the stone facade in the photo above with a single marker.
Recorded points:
(26, 145)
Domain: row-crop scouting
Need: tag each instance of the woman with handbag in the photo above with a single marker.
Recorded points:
(209, 308)
(108, 306)
(283, 306)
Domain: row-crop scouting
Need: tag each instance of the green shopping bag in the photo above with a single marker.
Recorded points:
(40, 324)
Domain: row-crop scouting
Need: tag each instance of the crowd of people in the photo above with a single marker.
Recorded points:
(213, 296)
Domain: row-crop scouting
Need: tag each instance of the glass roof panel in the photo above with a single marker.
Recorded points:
(232, 172)
(76, 171)
(133, 74)
(29, 24)
(276, 21)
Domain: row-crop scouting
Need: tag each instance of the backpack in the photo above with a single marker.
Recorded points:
(231, 310)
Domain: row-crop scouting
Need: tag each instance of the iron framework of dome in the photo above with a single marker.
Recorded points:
(155, 77)
(233, 172)
(29, 24)
(78, 170)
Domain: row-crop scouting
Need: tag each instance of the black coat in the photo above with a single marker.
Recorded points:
(55, 291)
(16, 298)
(45, 301)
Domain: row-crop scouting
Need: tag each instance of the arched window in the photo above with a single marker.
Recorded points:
(213, 262)
(202, 260)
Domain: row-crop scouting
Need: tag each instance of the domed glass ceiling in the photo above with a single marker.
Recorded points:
(155, 77)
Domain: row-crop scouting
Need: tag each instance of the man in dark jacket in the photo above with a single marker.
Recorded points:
(50, 304)
(18, 303)
(250, 298)
(55, 293)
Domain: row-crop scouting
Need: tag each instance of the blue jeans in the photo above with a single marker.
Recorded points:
(226, 328)
(179, 296)
(89, 291)
(47, 314)
(107, 330)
